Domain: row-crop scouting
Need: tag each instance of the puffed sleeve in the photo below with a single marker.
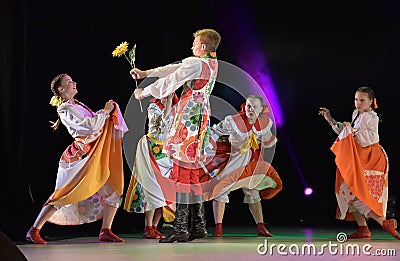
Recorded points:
(80, 123)
(189, 69)
(221, 128)
(268, 139)
(367, 126)
(163, 71)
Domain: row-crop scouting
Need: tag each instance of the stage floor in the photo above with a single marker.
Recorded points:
(237, 244)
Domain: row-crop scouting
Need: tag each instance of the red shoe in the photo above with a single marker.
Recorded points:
(390, 227)
(362, 232)
(149, 233)
(106, 235)
(158, 232)
(218, 230)
(33, 236)
(262, 231)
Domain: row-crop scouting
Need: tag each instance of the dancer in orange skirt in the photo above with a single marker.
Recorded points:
(361, 185)
(248, 133)
(90, 175)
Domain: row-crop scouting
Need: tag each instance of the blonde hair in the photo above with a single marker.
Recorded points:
(254, 96)
(210, 38)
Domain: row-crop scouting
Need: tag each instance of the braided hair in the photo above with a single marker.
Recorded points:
(56, 99)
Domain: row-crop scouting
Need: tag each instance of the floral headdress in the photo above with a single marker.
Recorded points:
(56, 101)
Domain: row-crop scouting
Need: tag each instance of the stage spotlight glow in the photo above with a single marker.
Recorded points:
(308, 191)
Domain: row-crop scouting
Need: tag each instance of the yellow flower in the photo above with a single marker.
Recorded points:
(120, 50)
(56, 101)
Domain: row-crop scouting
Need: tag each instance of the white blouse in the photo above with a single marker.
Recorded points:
(80, 121)
(367, 126)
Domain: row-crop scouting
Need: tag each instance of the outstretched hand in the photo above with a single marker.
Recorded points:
(325, 112)
(138, 74)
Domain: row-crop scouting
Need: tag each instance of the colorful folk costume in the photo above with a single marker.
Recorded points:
(90, 171)
(245, 166)
(188, 137)
(362, 171)
(145, 192)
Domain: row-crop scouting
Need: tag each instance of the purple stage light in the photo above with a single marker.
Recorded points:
(251, 54)
(308, 191)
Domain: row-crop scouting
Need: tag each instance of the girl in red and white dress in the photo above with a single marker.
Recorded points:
(249, 133)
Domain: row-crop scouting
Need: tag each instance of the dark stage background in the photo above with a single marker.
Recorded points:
(317, 53)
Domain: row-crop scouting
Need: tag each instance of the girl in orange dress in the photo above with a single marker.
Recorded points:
(361, 185)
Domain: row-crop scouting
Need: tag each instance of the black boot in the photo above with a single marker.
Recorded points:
(181, 233)
(198, 221)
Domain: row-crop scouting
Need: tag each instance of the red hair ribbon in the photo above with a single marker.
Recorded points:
(375, 105)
